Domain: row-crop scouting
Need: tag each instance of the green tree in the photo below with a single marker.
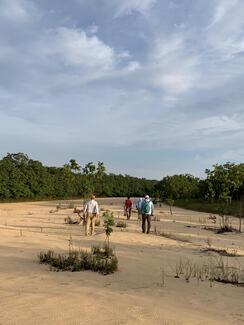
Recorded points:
(89, 169)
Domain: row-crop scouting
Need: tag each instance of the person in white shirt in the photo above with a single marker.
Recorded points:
(91, 211)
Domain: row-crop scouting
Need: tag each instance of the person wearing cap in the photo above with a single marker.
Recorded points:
(91, 210)
(147, 212)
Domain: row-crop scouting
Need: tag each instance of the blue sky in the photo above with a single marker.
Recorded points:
(150, 87)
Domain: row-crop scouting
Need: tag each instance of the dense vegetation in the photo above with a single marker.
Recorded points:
(22, 178)
(224, 183)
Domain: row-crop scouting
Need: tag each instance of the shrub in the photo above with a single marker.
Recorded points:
(68, 220)
(121, 224)
(225, 224)
(101, 260)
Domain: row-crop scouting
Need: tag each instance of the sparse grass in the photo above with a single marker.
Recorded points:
(156, 218)
(101, 260)
(70, 205)
(178, 268)
(206, 206)
(69, 221)
(104, 251)
(225, 223)
(121, 224)
(55, 210)
(215, 269)
(222, 252)
(67, 205)
(175, 237)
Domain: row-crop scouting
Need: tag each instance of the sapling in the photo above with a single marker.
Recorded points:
(223, 211)
(70, 240)
(163, 277)
(170, 202)
(107, 224)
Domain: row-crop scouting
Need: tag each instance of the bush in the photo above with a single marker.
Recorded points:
(101, 260)
(68, 220)
(121, 224)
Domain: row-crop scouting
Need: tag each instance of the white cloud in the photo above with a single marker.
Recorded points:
(126, 7)
(16, 10)
(174, 67)
(92, 29)
(123, 7)
(74, 47)
(225, 32)
(222, 10)
(219, 124)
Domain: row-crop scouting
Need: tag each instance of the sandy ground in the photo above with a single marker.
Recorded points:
(143, 290)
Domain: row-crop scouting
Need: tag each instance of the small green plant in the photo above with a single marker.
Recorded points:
(121, 224)
(108, 223)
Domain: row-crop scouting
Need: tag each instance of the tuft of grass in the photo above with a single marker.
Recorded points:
(70, 205)
(216, 269)
(101, 260)
(69, 221)
(121, 224)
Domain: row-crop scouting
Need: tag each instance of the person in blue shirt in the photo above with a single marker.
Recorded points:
(138, 207)
(147, 213)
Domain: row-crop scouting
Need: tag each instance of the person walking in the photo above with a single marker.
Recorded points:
(138, 207)
(91, 211)
(128, 207)
(147, 212)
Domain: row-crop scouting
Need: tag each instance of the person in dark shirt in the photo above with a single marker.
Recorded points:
(128, 207)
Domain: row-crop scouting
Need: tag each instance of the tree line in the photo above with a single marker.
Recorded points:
(222, 183)
(22, 178)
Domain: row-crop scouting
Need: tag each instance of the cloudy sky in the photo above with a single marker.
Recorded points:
(150, 87)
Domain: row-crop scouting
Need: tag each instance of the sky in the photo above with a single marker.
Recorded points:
(149, 87)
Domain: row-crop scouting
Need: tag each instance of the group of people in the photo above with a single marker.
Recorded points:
(144, 208)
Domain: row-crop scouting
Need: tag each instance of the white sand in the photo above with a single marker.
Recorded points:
(135, 294)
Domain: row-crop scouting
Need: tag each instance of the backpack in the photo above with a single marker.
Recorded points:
(146, 207)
